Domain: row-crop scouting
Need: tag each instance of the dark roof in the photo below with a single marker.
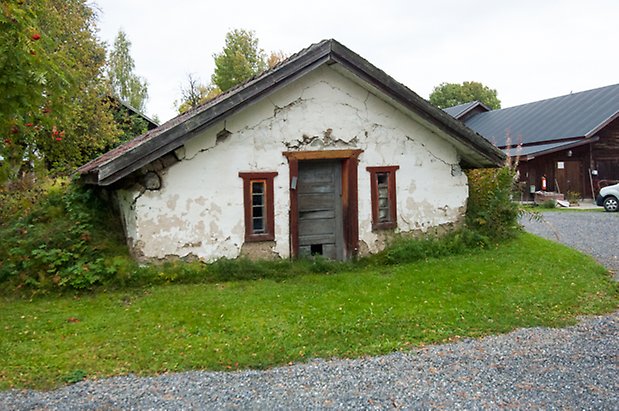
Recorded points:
(577, 115)
(530, 152)
(461, 110)
(475, 151)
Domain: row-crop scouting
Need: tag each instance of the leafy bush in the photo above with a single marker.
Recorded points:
(491, 211)
(69, 239)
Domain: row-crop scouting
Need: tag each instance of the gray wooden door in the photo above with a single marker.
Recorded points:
(319, 191)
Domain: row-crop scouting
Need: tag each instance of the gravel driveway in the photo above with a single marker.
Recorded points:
(537, 368)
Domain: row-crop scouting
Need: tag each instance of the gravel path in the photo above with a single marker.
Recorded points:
(537, 368)
(594, 233)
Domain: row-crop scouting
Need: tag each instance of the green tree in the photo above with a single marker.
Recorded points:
(51, 111)
(125, 84)
(451, 94)
(240, 59)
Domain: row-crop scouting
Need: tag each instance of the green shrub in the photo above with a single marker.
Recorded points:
(19, 197)
(68, 240)
(491, 210)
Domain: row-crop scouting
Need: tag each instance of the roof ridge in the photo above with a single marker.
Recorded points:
(578, 93)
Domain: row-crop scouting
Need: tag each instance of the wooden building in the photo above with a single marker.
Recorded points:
(572, 140)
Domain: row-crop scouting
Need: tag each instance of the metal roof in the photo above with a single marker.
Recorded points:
(530, 152)
(475, 151)
(574, 115)
(460, 109)
(458, 112)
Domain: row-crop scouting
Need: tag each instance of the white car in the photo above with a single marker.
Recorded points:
(609, 198)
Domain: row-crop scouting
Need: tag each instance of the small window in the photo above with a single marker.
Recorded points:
(258, 205)
(382, 186)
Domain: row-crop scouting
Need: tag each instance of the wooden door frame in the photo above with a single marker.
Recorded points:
(350, 209)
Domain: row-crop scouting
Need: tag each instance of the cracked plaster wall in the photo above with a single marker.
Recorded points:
(199, 209)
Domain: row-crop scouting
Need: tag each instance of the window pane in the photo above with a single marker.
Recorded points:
(383, 215)
(257, 187)
(257, 199)
(257, 211)
(383, 179)
(258, 225)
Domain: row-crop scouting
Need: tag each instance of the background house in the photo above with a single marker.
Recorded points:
(323, 154)
(572, 140)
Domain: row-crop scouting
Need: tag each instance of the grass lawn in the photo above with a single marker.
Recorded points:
(527, 282)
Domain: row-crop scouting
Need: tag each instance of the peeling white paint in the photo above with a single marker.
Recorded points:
(199, 208)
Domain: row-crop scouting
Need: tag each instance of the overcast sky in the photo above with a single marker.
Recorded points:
(526, 50)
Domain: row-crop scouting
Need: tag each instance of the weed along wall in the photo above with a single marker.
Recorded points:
(199, 205)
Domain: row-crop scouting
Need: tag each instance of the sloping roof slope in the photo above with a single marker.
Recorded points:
(112, 166)
(573, 116)
(457, 111)
(461, 110)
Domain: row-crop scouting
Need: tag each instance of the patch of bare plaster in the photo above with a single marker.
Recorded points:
(384, 238)
(326, 140)
(199, 227)
(363, 248)
(194, 244)
(215, 208)
(263, 250)
(239, 229)
(156, 226)
(171, 203)
(215, 231)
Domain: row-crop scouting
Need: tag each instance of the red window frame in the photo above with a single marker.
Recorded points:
(268, 207)
(392, 222)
